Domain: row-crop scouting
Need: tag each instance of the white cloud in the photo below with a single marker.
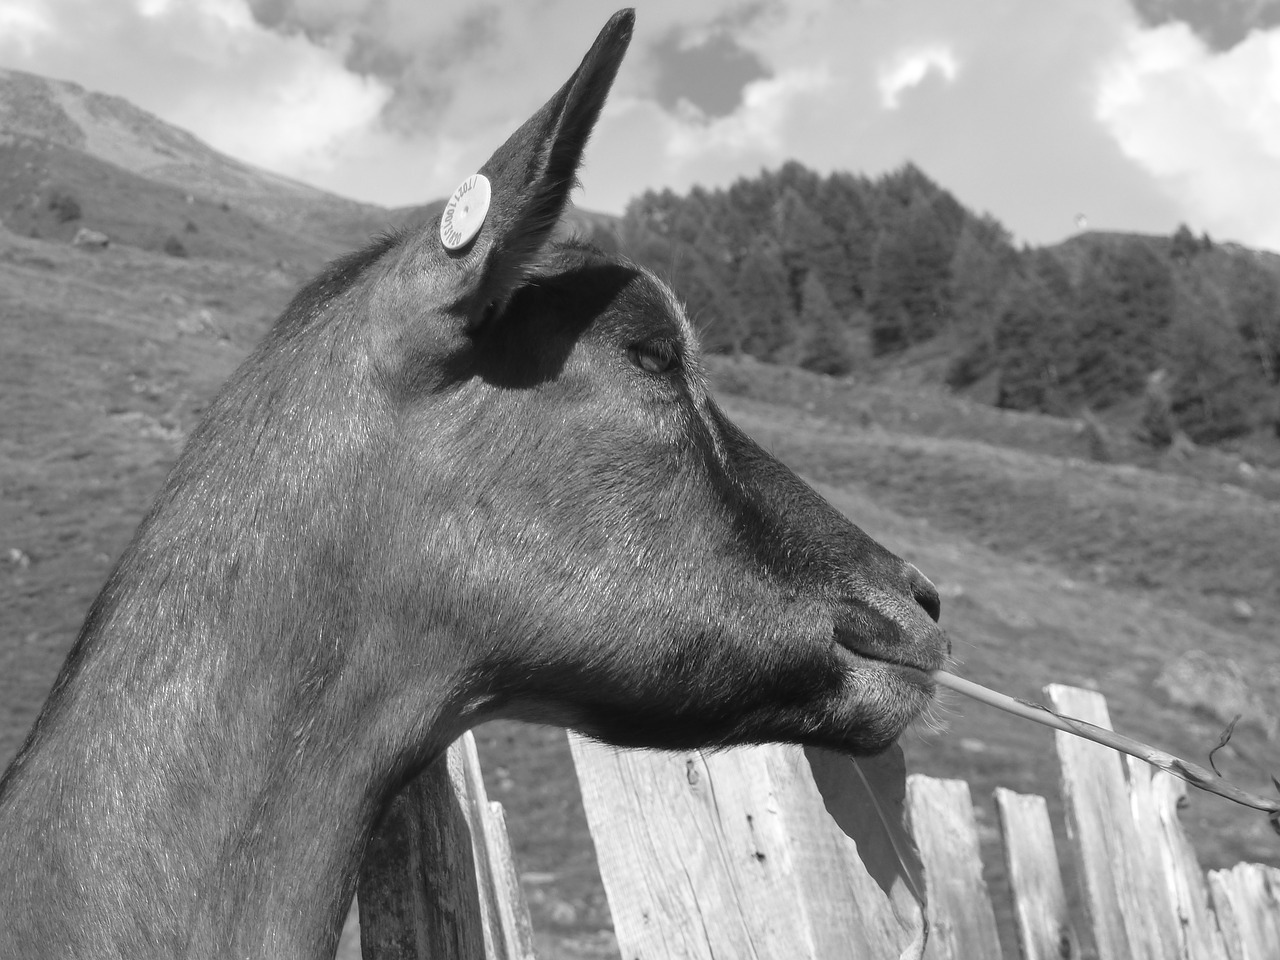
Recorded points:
(23, 23)
(756, 125)
(285, 104)
(1205, 124)
(910, 68)
(153, 8)
(290, 110)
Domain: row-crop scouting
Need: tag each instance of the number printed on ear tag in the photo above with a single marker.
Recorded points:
(465, 212)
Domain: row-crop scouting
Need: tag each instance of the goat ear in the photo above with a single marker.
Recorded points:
(531, 176)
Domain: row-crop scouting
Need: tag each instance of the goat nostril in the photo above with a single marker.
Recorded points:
(931, 602)
(925, 592)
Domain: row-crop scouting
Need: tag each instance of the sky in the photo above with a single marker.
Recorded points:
(1051, 115)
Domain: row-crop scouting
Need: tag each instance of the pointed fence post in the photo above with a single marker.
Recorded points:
(1146, 895)
(1045, 930)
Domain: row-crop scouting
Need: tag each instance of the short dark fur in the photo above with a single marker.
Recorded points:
(444, 488)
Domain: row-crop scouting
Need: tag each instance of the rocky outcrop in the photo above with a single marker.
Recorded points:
(90, 239)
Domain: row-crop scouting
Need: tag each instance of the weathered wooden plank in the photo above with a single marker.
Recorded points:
(468, 784)
(1226, 919)
(684, 857)
(728, 855)
(1155, 798)
(437, 879)
(962, 924)
(513, 908)
(1131, 916)
(1247, 900)
(1045, 930)
(417, 887)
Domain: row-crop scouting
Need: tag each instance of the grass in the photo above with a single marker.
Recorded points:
(1053, 567)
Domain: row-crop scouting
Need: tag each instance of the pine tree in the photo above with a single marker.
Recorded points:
(1034, 344)
(899, 189)
(1183, 245)
(1215, 393)
(754, 200)
(809, 246)
(982, 269)
(909, 301)
(653, 211)
(1254, 295)
(826, 346)
(764, 298)
(1126, 300)
(795, 177)
(709, 302)
(984, 262)
(843, 206)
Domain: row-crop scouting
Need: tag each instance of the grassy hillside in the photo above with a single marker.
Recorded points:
(50, 191)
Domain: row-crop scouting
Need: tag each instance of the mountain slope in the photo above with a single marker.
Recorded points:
(50, 191)
(113, 130)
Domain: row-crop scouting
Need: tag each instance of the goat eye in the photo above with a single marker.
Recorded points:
(655, 356)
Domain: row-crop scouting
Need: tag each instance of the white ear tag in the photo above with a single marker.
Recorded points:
(465, 212)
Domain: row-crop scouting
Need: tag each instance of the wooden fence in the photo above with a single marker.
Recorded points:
(738, 854)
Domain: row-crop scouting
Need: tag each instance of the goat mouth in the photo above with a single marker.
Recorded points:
(917, 648)
(913, 668)
(915, 660)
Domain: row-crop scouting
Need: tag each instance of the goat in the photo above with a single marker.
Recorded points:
(451, 484)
